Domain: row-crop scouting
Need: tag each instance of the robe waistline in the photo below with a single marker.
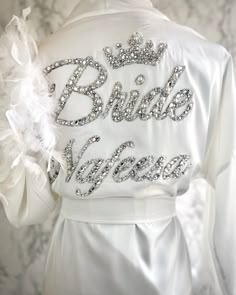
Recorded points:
(121, 210)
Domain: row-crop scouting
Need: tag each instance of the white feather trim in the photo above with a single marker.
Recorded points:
(27, 125)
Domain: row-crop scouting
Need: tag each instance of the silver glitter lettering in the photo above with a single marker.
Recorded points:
(104, 172)
(122, 103)
(151, 169)
(121, 111)
(88, 90)
(71, 164)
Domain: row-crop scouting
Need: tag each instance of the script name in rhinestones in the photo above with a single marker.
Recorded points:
(95, 170)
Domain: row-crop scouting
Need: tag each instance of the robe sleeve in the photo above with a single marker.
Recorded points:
(25, 192)
(28, 133)
(220, 170)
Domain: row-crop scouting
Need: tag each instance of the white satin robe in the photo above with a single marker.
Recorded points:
(190, 250)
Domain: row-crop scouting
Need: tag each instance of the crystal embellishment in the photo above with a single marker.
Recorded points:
(136, 53)
(54, 170)
(122, 107)
(127, 105)
(122, 103)
(94, 171)
(88, 90)
(140, 80)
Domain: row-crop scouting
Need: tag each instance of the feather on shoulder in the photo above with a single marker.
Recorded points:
(27, 125)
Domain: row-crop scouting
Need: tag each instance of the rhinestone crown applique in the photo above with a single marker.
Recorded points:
(135, 53)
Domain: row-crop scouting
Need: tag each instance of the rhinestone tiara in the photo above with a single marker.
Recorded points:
(136, 53)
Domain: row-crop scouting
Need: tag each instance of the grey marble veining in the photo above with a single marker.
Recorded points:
(23, 251)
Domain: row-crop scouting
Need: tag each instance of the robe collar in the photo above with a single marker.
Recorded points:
(87, 8)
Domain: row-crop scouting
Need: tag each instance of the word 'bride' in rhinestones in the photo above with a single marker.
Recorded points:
(89, 171)
(124, 112)
(124, 102)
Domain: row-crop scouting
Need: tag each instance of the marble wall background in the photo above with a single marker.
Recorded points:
(23, 251)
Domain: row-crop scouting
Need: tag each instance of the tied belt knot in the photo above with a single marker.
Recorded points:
(121, 210)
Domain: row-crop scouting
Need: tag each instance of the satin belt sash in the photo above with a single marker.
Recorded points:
(119, 209)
